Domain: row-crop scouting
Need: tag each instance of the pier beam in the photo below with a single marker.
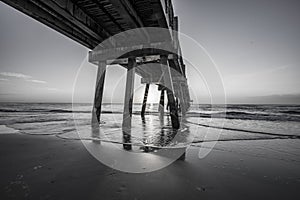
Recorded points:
(145, 100)
(128, 101)
(170, 92)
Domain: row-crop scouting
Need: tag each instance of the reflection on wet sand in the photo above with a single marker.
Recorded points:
(154, 141)
(148, 134)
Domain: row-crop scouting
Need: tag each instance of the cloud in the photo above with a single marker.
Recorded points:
(53, 89)
(20, 76)
(37, 81)
(15, 75)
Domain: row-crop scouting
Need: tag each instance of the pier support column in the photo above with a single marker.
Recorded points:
(183, 103)
(162, 103)
(145, 100)
(173, 110)
(161, 107)
(96, 113)
(127, 113)
(99, 91)
(170, 92)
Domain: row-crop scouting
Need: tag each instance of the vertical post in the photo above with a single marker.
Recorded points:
(173, 110)
(161, 107)
(183, 103)
(98, 100)
(99, 90)
(145, 100)
(175, 28)
(127, 113)
(170, 94)
(162, 103)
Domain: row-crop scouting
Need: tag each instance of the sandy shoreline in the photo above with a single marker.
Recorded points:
(46, 167)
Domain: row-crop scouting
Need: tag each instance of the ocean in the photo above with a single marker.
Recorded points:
(203, 123)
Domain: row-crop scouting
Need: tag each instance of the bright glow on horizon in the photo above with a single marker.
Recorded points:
(153, 95)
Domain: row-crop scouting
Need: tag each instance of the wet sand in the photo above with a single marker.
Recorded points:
(46, 167)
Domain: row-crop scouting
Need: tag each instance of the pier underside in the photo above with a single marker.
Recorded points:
(154, 69)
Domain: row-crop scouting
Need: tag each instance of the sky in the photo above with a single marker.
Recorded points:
(254, 44)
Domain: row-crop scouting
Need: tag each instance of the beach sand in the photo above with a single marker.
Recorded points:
(46, 167)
